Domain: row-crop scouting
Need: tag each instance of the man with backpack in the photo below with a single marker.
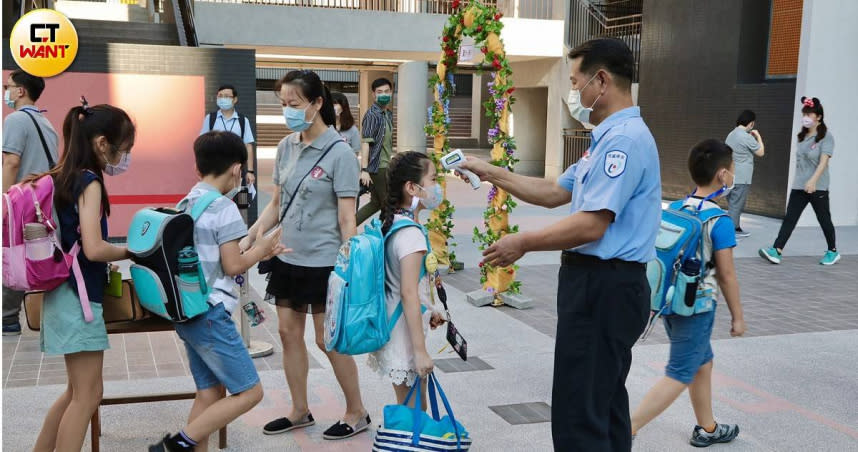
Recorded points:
(688, 303)
(227, 118)
(29, 147)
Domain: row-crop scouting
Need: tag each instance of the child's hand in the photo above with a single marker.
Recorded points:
(424, 363)
(270, 243)
(436, 320)
(245, 244)
(738, 328)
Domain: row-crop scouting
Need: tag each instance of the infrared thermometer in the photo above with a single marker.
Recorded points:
(452, 161)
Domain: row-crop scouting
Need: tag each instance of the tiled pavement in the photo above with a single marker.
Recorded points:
(798, 296)
(130, 357)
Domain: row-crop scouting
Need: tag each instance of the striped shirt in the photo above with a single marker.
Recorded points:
(373, 128)
(220, 223)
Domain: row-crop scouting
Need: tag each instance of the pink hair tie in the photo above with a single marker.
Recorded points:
(808, 102)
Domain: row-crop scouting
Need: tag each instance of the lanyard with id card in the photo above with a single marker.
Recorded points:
(454, 337)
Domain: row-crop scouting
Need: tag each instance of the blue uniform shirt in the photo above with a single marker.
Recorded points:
(620, 173)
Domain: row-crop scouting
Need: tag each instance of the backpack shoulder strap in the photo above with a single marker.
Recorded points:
(241, 120)
(41, 138)
(212, 119)
(203, 203)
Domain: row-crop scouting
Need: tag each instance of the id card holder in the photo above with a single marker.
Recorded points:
(459, 344)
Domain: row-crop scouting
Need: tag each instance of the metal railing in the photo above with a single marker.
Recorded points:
(529, 9)
(575, 144)
(400, 6)
(622, 20)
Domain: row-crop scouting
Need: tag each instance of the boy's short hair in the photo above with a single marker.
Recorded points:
(746, 117)
(216, 151)
(379, 82)
(707, 158)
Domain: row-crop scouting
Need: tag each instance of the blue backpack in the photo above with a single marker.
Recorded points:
(167, 274)
(683, 258)
(356, 319)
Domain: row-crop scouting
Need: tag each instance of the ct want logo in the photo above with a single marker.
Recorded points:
(44, 43)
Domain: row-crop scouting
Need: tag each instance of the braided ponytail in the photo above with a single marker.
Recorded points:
(408, 166)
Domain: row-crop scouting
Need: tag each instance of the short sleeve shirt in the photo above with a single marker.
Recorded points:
(743, 145)
(229, 125)
(352, 137)
(311, 226)
(807, 160)
(21, 138)
(620, 173)
(220, 223)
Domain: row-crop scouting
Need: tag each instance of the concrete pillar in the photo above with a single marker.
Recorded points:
(411, 103)
(821, 66)
(558, 118)
(529, 121)
(365, 90)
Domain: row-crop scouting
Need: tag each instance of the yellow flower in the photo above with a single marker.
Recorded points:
(441, 70)
(470, 15)
(493, 43)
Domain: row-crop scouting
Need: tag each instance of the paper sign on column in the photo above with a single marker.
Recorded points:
(466, 53)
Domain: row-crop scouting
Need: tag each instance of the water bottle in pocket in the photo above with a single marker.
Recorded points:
(687, 282)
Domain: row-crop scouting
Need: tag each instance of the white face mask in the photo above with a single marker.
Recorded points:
(576, 109)
(7, 99)
(338, 110)
(234, 191)
(119, 168)
(807, 121)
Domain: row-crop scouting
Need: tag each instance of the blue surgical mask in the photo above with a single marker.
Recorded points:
(7, 99)
(224, 103)
(433, 200)
(295, 118)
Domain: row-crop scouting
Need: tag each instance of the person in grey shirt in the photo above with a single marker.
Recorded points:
(317, 181)
(810, 185)
(24, 153)
(746, 143)
(346, 122)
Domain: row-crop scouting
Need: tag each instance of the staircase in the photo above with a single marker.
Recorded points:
(126, 32)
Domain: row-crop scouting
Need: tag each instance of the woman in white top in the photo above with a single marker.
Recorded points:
(346, 122)
(412, 187)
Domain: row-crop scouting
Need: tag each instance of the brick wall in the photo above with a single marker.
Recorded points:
(784, 38)
(216, 65)
(690, 89)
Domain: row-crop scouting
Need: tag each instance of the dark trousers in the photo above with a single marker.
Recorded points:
(602, 309)
(378, 196)
(798, 200)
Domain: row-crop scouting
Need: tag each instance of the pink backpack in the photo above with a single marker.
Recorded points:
(35, 260)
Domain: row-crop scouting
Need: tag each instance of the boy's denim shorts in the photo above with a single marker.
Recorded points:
(690, 346)
(216, 353)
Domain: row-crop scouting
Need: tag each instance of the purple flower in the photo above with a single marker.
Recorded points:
(494, 132)
(509, 152)
(490, 290)
(490, 84)
(492, 193)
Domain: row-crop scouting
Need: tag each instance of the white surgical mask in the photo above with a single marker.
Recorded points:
(119, 168)
(807, 121)
(234, 191)
(576, 109)
(432, 200)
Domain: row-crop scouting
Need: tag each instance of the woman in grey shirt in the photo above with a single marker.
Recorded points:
(346, 122)
(815, 149)
(316, 167)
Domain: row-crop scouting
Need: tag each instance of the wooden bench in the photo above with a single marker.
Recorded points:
(149, 325)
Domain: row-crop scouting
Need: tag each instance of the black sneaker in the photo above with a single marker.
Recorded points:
(284, 425)
(341, 430)
(742, 233)
(12, 328)
(171, 444)
(724, 433)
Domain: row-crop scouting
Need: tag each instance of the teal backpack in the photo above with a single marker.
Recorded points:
(167, 274)
(683, 259)
(356, 319)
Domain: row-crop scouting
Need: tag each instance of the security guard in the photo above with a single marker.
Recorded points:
(603, 294)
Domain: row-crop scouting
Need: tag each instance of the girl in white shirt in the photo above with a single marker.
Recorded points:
(412, 186)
